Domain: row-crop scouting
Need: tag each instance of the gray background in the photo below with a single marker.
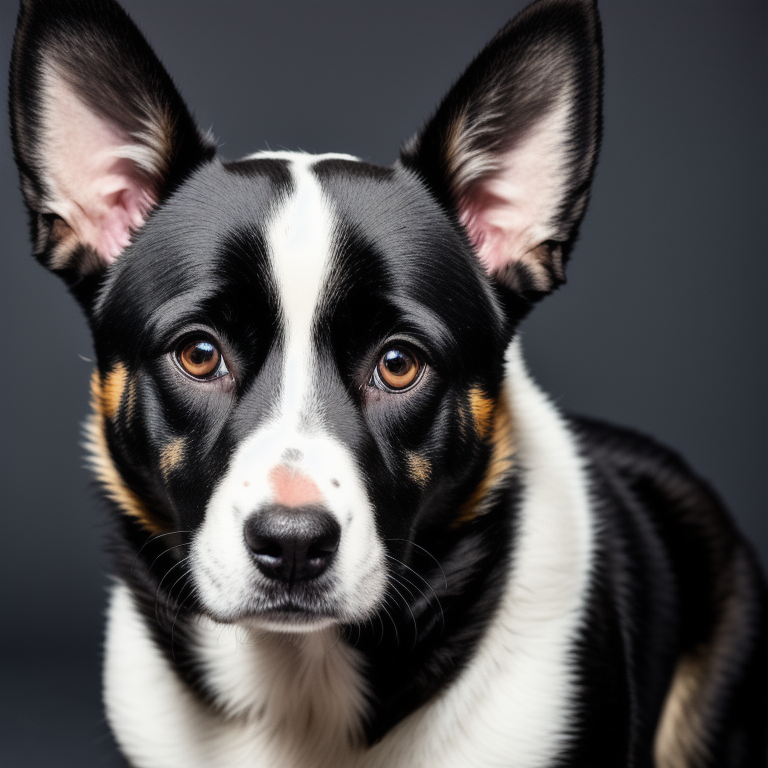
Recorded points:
(662, 325)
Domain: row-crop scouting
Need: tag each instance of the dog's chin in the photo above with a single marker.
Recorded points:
(288, 623)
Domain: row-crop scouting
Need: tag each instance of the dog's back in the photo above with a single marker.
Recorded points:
(691, 600)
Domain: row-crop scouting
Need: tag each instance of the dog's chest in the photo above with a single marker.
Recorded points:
(297, 704)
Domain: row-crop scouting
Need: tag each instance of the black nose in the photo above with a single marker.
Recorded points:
(292, 543)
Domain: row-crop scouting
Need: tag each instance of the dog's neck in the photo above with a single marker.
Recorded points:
(309, 683)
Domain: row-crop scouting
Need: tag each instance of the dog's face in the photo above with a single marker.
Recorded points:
(300, 358)
(326, 352)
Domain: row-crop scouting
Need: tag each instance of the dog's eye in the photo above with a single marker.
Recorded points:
(398, 370)
(201, 359)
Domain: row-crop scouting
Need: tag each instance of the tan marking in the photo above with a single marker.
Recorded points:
(482, 407)
(111, 391)
(419, 468)
(171, 455)
(461, 416)
(131, 399)
(101, 464)
(499, 464)
(63, 243)
(681, 735)
(452, 146)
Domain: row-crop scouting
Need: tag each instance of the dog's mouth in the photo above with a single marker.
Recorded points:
(302, 607)
(310, 606)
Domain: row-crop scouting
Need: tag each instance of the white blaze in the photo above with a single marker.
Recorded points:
(300, 242)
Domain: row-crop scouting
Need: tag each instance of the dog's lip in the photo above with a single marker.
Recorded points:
(294, 609)
(289, 618)
(289, 624)
(286, 608)
(296, 614)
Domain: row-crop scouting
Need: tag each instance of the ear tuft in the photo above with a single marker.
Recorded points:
(512, 148)
(100, 132)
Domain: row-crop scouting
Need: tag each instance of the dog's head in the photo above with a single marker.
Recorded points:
(300, 358)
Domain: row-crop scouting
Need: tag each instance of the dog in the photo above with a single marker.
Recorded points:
(350, 530)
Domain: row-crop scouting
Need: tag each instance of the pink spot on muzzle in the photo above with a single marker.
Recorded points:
(292, 488)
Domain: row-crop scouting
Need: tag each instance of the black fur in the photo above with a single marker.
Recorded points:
(676, 578)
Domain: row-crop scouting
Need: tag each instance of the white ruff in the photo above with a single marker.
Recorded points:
(299, 699)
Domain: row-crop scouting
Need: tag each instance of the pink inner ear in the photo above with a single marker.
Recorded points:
(511, 211)
(489, 240)
(506, 215)
(122, 212)
(99, 179)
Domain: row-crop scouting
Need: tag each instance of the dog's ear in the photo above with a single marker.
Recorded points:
(511, 150)
(100, 132)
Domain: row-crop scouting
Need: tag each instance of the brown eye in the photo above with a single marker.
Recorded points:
(397, 370)
(201, 359)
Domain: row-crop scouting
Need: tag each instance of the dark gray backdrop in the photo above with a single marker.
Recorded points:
(662, 325)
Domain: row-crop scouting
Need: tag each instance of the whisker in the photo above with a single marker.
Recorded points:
(152, 539)
(335, 642)
(247, 631)
(402, 578)
(159, 586)
(397, 634)
(166, 551)
(413, 618)
(176, 616)
(426, 552)
(170, 591)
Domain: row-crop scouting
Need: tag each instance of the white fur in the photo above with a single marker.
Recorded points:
(510, 707)
(303, 158)
(300, 242)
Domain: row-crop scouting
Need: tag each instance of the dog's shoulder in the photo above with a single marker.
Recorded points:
(671, 559)
(655, 473)
(635, 470)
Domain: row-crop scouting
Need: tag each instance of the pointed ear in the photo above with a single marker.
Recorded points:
(100, 132)
(511, 150)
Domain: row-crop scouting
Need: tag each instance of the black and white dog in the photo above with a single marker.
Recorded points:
(351, 531)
